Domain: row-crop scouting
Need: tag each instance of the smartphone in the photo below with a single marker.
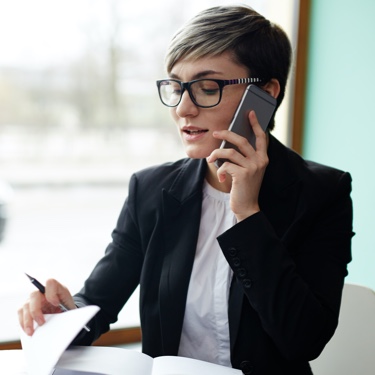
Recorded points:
(254, 98)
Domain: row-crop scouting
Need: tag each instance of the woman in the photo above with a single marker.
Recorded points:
(241, 265)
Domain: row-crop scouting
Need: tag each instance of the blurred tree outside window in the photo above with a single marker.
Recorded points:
(79, 113)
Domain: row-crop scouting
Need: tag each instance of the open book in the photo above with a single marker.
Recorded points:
(46, 353)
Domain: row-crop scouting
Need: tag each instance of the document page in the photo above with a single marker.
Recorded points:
(46, 353)
(103, 360)
(43, 349)
(169, 365)
(62, 371)
(113, 361)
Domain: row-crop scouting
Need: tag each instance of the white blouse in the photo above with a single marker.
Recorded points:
(205, 331)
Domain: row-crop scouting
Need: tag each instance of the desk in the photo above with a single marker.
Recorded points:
(12, 362)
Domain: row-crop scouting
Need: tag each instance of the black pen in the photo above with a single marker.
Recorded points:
(42, 289)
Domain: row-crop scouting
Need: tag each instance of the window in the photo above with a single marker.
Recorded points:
(79, 112)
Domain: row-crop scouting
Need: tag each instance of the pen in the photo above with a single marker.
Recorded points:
(42, 289)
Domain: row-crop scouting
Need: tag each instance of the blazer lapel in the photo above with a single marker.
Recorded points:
(182, 211)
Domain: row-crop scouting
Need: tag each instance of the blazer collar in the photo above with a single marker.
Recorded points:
(189, 180)
(279, 174)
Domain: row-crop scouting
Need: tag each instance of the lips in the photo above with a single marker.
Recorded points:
(195, 132)
(190, 130)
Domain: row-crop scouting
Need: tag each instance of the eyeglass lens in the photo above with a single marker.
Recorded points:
(205, 93)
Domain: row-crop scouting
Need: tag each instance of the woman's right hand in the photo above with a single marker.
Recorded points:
(40, 304)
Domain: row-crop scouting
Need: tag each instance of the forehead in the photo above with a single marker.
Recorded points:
(219, 66)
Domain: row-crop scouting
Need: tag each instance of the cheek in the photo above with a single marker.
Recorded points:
(225, 117)
(226, 120)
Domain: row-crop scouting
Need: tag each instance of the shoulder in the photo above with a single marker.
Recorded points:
(312, 174)
(315, 179)
(163, 172)
(324, 174)
(182, 174)
(320, 179)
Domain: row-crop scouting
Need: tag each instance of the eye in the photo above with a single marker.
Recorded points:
(210, 91)
(208, 88)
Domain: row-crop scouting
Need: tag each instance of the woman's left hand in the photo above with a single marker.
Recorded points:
(246, 168)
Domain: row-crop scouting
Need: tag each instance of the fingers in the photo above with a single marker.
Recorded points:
(242, 144)
(260, 134)
(24, 319)
(32, 311)
(40, 304)
(246, 168)
(57, 294)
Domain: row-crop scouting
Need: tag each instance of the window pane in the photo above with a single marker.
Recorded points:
(79, 112)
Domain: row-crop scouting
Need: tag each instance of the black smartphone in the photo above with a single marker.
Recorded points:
(254, 98)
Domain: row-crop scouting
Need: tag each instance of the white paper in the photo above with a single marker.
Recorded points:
(105, 360)
(44, 353)
(169, 365)
(114, 361)
(43, 349)
(118, 361)
(62, 371)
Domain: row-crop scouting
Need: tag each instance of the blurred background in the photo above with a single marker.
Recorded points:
(79, 112)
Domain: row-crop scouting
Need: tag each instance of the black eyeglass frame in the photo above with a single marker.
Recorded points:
(186, 86)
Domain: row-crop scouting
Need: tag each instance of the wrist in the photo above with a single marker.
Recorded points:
(244, 215)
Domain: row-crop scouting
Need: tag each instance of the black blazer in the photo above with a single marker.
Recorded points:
(289, 261)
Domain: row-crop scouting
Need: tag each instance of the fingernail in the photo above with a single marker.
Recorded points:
(28, 331)
(39, 321)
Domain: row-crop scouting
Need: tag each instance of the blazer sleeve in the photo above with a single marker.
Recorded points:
(116, 275)
(294, 283)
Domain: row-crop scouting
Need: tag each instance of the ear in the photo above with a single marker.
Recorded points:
(272, 87)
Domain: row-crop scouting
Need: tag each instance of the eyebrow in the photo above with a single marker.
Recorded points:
(202, 74)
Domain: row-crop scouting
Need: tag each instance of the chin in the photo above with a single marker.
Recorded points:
(196, 154)
(199, 152)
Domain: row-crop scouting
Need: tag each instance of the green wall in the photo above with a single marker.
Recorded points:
(339, 123)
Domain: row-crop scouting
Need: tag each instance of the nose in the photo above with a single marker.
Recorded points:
(186, 107)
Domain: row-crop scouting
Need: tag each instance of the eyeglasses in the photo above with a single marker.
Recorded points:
(204, 93)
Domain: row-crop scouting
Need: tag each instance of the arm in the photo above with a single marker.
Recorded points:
(116, 275)
(109, 286)
(294, 283)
